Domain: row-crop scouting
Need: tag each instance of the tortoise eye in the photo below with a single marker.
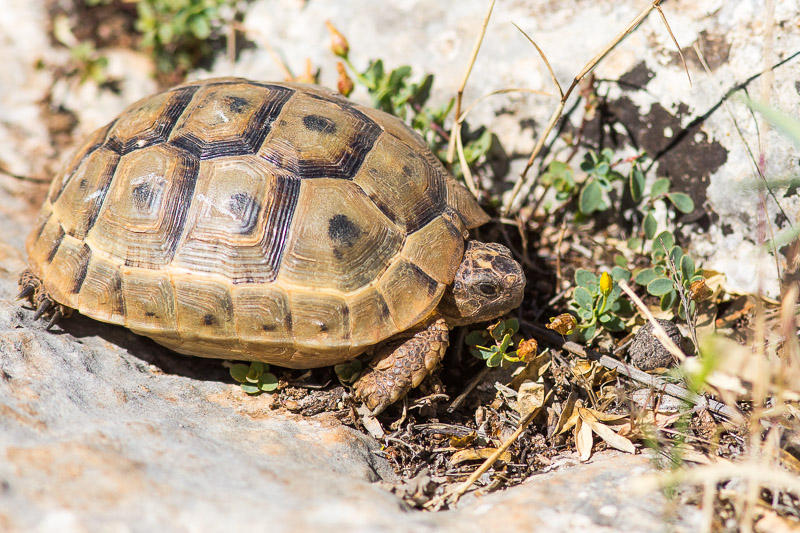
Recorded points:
(487, 289)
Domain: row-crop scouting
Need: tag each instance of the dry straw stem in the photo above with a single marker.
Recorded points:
(478, 41)
(658, 331)
(528, 182)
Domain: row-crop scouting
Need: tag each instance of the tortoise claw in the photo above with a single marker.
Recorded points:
(26, 291)
(57, 315)
(43, 307)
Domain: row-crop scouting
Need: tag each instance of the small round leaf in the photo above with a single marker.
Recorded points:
(583, 298)
(591, 198)
(645, 276)
(650, 225)
(584, 278)
(682, 202)
(660, 286)
(268, 382)
(239, 372)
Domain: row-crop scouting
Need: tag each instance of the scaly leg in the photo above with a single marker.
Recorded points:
(401, 363)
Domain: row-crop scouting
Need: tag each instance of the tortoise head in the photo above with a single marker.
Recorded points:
(488, 283)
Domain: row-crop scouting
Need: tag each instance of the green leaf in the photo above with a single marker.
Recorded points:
(612, 322)
(584, 278)
(591, 199)
(660, 186)
(660, 270)
(660, 286)
(268, 382)
(687, 267)
(256, 369)
(512, 324)
(676, 253)
(620, 261)
(618, 273)
(474, 338)
(668, 300)
(649, 225)
(250, 389)
(682, 202)
(665, 237)
(636, 183)
(199, 26)
(588, 333)
(645, 276)
(583, 298)
(239, 372)
(634, 243)
(622, 306)
(498, 331)
(495, 359)
(585, 313)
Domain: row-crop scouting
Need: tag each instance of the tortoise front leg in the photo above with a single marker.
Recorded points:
(401, 363)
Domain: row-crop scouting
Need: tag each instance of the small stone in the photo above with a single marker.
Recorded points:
(647, 352)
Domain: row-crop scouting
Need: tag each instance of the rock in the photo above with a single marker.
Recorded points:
(603, 495)
(647, 352)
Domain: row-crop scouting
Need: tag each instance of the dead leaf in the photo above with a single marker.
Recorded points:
(480, 454)
(583, 439)
(530, 397)
(463, 440)
(533, 371)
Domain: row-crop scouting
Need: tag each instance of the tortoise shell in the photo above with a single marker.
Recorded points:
(277, 222)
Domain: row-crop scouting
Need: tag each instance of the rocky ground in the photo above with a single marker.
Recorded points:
(102, 430)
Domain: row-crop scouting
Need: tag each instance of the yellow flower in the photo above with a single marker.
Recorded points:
(606, 284)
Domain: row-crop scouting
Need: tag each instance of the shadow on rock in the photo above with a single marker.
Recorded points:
(169, 362)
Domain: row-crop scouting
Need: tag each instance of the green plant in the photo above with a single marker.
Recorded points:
(600, 175)
(559, 176)
(348, 373)
(492, 344)
(659, 191)
(255, 378)
(394, 92)
(86, 62)
(179, 32)
(671, 270)
(596, 301)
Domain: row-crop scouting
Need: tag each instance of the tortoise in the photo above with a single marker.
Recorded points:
(274, 222)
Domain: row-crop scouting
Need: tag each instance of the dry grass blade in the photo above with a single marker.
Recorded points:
(544, 58)
(528, 182)
(675, 42)
(478, 42)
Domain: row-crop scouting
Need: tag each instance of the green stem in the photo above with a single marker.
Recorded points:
(361, 79)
